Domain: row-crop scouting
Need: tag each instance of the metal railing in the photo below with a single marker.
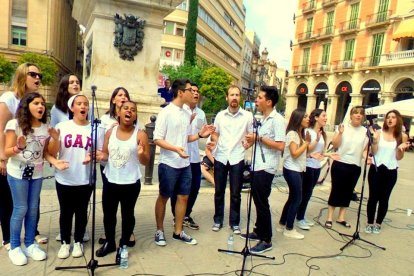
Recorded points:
(343, 65)
(328, 3)
(349, 26)
(306, 36)
(320, 68)
(327, 31)
(378, 18)
(302, 69)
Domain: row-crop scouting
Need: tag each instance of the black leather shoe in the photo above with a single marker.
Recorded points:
(131, 243)
(102, 240)
(105, 249)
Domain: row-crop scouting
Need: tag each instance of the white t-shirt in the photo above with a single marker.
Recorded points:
(273, 127)
(312, 162)
(123, 162)
(75, 143)
(232, 129)
(386, 153)
(198, 122)
(57, 116)
(173, 126)
(31, 158)
(9, 98)
(294, 164)
(354, 140)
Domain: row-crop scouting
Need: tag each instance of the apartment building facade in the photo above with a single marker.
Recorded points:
(351, 52)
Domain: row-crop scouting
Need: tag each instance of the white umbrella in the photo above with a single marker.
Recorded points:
(405, 107)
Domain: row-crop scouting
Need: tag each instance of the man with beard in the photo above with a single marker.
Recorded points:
(198, 119)
(232, 124)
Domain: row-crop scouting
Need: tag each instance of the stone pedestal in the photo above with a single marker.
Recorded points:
(107, 70)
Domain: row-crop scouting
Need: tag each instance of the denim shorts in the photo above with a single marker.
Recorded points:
(174, 181)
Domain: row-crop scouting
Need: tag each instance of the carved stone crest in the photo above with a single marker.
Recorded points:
(129, 35)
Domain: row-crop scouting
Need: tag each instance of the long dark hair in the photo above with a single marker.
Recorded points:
(295, 122)
(23, 115)
(397, 133)
(312, 121)
(63, 95)
(112, 106)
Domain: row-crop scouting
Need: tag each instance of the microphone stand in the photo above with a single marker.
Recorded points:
(245, 251)
(92, 264)
(356, 235)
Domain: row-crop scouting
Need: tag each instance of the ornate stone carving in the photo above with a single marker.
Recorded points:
(129, 35)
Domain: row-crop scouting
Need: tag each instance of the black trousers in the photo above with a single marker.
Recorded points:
(261, 189)
(113, 195)
(73, 200)
(380, 184)
(6, 208)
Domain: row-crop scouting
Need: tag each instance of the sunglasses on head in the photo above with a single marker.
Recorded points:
(34, 75)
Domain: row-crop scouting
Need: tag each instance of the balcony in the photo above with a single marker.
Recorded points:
(349, 27)
(320, 68)
(301, 70)
(328, 3)
(401, 58)
(309, 7)
(305, 37)
(343, 65)
(378, 20)
(325, 33)
(372, 61)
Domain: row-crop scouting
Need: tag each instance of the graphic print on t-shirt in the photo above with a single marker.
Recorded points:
(119, 157)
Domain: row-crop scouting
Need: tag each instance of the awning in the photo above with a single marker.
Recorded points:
(405, 29)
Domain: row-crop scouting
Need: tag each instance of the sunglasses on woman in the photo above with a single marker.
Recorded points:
(34, 75)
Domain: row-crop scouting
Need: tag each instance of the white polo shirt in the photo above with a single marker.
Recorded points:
(173, 126)
(198, 122)
(232, 129)
(273, 127)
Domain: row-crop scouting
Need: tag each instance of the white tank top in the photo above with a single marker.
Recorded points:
(386, 153)
(123, 163)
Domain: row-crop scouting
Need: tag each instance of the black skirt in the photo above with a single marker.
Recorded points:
(344, 178)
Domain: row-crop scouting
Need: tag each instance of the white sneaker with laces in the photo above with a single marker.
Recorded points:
(17, 256)
(77, 250)
(35, 252)
(310, 222)
(293, 234)
(280, 228)
(302, 224)
(64, 251)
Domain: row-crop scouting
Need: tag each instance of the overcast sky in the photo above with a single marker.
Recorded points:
(272, 20)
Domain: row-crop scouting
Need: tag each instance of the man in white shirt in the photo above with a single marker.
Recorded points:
(198, 119)
(171, 134)
(271, 141)
(232, 124)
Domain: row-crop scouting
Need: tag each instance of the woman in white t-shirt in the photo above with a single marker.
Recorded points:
(73, 144)
(297, 142)
(69, 85)
(27, 78)
(388, 147)
(350, 140)
(125, 148)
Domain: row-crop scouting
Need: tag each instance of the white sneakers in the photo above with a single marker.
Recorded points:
(302, 224)
(64, 251)
(85, 237)
(65, 248)
(293, 234)
(19, 256)
(77, 250)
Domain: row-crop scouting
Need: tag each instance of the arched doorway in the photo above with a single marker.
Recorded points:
(370, 90)
(343, 90)
(321, 91)
(404, 90)
(301, 92)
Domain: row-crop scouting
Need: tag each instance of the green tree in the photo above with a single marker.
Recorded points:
(214, 84)
(6, 70)
(47, 66)
(191, 33)
(186, 71)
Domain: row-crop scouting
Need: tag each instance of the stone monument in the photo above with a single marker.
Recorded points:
(122, 46)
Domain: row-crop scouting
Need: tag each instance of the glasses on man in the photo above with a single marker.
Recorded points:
(35, 74)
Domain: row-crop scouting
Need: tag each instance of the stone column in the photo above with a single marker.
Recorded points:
(107, 70)
(311, 104)
(331, 108)
(291, 104)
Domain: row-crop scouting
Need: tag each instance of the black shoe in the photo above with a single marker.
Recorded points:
(190, 223)
(118, 256)
(105, 249)
(129, 243)
(102, 240)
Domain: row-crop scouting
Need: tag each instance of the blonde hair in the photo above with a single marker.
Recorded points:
(19, 79)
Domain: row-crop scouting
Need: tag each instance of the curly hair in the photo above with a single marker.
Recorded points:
(63, 95)
(23, 115)
(112, 106)
(19, 78)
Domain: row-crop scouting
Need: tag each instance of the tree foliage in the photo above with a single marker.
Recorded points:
(6, 70)
(214, 84)
(191, 33)
(48, 68)
(186, 71)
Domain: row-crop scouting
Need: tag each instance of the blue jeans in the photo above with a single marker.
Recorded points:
(310, 178)
(26, 194)
(294, 180)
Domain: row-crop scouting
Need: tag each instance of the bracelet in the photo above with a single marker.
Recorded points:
(199, 136)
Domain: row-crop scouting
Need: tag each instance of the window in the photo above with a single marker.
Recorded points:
(182, 6)
(19, 36)
(329, 22)
(377, 49)
(305, 61)
(180, 30)
(178, 55)
(309, 25)
(353, 20)
(382, 10)
(349, 49)
(168, 27)
(311, 4)
(326, 50)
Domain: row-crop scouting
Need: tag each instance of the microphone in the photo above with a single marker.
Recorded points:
(93, 87)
